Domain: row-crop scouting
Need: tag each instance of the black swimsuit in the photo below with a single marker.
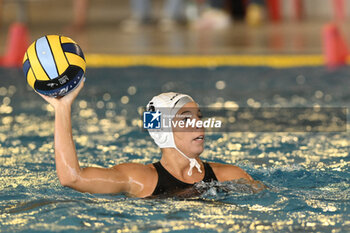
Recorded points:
(167, 183)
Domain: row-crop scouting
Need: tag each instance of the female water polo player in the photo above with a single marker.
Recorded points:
(174, 172)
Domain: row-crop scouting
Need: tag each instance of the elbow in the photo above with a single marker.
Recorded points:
(68, 177)
(68, 181)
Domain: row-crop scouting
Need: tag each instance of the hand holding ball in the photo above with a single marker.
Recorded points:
(54, 65)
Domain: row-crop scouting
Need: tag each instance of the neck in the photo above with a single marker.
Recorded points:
(173, 161)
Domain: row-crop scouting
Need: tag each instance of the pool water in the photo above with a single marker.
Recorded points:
(307, 173)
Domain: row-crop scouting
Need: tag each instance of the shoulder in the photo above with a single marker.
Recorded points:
(142, 178)
(134, 168)
(227, 172)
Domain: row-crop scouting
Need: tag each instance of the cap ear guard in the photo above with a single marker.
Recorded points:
(161, 138)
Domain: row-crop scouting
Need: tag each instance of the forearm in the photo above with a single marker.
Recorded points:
(67, 165)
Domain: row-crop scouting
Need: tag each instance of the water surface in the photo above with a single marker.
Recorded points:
(308, 173)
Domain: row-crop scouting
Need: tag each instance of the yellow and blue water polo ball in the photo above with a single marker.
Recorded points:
(54, 65)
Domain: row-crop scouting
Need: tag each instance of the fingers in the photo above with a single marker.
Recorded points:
(76, 90)
(67, 99)
(47, 98)
(80, 86)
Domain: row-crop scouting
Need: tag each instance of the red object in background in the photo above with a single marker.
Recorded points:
(334, 46)
(298, 9)
(339, 10)
(17, 44)
(274, 10)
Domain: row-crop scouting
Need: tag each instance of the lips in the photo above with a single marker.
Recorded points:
(199, 138)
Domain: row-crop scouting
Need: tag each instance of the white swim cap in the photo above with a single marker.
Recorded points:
(168, 104)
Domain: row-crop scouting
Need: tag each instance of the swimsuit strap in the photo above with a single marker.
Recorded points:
(209, 174)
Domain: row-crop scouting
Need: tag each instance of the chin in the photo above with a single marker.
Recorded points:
(198, 151)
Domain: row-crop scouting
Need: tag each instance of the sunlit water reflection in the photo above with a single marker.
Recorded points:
(307, 173)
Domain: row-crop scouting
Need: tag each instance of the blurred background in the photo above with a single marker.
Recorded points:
(180, 27)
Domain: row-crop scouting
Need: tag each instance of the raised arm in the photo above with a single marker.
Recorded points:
(90, 179)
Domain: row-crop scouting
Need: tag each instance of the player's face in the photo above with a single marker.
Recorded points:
(189, 138)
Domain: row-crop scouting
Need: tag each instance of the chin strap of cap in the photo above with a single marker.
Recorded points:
(193, 163)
